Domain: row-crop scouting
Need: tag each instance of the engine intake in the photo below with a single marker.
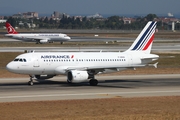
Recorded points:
(43, 41)
(76, 76)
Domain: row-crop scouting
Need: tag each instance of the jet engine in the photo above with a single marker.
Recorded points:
(43, 41)
(43, 76)
(76, 76)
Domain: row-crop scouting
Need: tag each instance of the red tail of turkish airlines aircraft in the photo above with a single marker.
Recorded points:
(10, 29)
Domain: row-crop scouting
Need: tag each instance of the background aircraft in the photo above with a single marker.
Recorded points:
(83, 66)
(38, 38)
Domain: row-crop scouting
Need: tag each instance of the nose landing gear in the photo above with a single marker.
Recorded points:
(31, 80)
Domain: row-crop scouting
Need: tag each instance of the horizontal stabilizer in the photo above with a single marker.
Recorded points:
(153, 65)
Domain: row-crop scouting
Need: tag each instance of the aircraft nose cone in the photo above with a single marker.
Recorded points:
(10, 67)
(68, 38)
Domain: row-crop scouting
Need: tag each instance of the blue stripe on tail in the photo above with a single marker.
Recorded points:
(145, 40)
(143, 36)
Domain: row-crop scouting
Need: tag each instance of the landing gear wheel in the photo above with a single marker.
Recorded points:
(30, 82)
(69, 82)
(93, 82)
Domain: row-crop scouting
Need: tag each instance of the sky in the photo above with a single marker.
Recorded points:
(89, 7)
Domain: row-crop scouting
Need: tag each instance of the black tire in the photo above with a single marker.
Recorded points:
(30, 83)
(93, 82)
(69, 82)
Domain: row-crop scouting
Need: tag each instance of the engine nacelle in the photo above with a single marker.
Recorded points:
(76, 76)
(43, 41)
(44, 76)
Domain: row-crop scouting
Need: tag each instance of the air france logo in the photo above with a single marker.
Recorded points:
(56, 56)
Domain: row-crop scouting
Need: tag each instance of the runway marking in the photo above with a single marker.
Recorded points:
(83, 94)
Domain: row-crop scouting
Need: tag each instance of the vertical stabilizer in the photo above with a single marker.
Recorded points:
(10, 29)
(145, 39)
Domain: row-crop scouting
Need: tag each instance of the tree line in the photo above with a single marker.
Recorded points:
(113, 23)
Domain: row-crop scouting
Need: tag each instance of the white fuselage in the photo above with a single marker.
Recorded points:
(54, 63)
(42, 36)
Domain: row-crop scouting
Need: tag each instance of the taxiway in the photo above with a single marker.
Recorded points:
(167, 48)
(16, 89)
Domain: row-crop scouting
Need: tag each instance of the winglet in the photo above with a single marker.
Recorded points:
(10, 29)
(145, 39)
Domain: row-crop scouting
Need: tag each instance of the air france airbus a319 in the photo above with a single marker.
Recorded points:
(38, 38)
(83, 66)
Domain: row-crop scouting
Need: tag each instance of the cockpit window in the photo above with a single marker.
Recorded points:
(16, 59)
(20, 60)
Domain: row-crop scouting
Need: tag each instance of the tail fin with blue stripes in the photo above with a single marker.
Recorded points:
(145, 39)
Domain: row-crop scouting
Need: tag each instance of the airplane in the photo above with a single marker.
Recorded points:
(39, 37)
(83, 66)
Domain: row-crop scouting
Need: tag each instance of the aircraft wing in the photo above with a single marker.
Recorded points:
(97, 69)
(37, 38)
(45, 39)
(88, 68)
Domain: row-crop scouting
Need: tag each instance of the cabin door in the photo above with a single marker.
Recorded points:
(36, 63)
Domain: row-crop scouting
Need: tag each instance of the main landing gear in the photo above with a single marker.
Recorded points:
(93, 82)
